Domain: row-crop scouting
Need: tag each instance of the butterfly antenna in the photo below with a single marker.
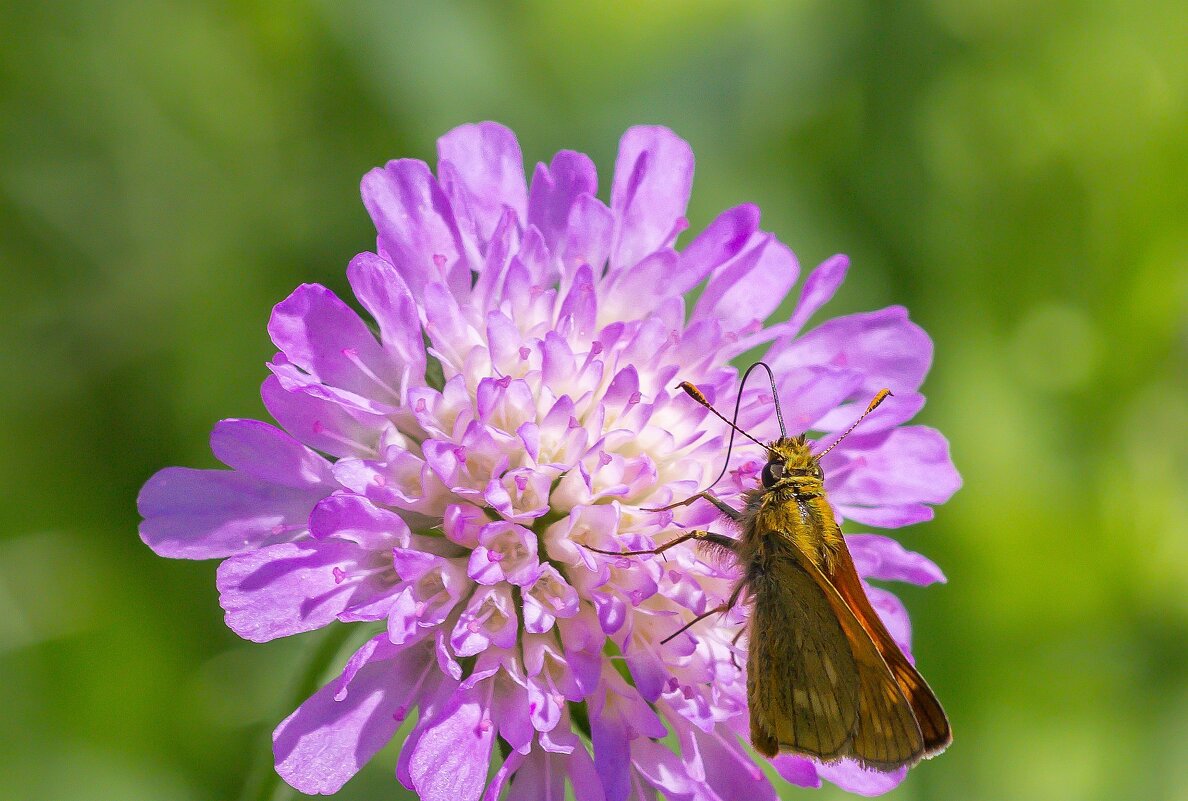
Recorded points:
(696, 394)
(882, 395)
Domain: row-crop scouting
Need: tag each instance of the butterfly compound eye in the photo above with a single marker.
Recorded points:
(772, 473)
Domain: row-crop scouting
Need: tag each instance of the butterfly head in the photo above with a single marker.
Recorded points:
(790, 460)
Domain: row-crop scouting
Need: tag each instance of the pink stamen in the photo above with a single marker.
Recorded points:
(339, 575)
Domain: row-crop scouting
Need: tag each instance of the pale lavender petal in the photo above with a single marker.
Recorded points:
(588, 236)
(540, 778)
(509, 709)
(893, 411)
(721, 241)
(612, 756)
(797, 770)
(750, 287)
(323, 336)
(653, 179)
(729, 771)
(322, 424)
(416, 225)
(584, 776)
(887, 516)
(885, 346)
(289, 588)
(880, 557)
(555, 189)
(499, 781)
(809, 393)
(449, 757)
(328, 739)
(855, 779)
(489, 172)
(909, 464)
(353, 518)
(818, 289)
(208, 514)
(388, 299)
(265, 452)
(661, 768)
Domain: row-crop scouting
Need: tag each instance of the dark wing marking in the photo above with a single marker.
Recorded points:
(934, 726)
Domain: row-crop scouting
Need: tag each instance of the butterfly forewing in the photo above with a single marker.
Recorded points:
(930, 717)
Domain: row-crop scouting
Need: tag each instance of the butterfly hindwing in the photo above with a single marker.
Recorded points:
(802, 681)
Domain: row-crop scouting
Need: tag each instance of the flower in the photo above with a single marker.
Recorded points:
(453, 475)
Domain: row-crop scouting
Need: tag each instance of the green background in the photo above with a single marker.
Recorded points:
(1014, 172)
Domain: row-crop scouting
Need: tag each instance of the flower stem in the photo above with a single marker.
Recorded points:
(264, 783)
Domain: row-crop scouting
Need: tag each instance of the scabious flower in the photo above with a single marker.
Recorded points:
(449, 471)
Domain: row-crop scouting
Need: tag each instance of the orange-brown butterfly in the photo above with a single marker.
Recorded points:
(824, 677)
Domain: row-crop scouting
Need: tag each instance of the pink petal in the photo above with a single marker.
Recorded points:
(722, 240)
(796, 770)
(540, 778)
(750, 287)
(888, 516)
(907, 465)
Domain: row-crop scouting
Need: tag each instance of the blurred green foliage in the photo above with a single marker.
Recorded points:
(1015, 173)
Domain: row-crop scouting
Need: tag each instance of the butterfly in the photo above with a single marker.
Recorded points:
(825, 679)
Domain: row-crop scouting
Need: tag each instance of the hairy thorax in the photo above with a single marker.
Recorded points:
(794, 513)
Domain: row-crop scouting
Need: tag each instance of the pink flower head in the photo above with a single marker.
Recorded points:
(450, 470)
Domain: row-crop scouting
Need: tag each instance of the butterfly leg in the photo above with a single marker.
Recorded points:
(725, 607)
(706, 495)
(734, 644)
(720, 540)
